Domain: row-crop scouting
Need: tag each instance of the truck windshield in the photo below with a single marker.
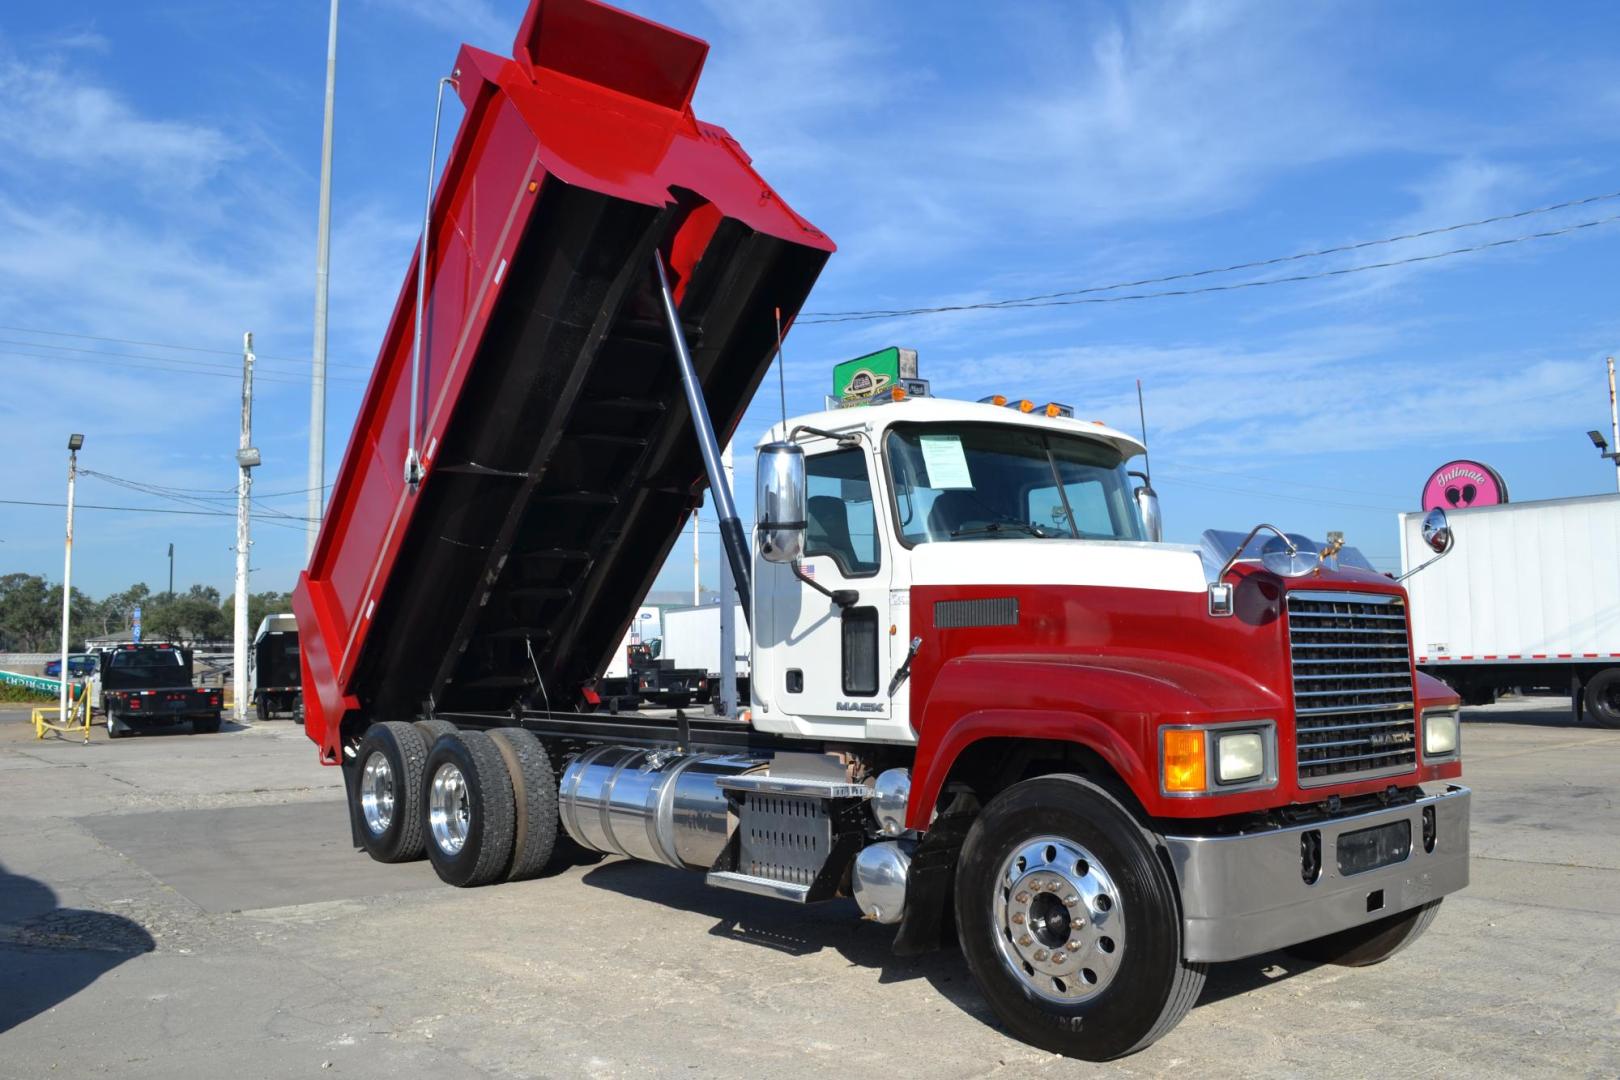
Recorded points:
(993, 481)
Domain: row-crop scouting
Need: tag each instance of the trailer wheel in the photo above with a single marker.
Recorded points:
(1603, 698)
(1069, 921)
(1377, 941)
(534, 793)
(468, 807)
(115, 730)
(387, 791)
(261, 711)
(205, 725)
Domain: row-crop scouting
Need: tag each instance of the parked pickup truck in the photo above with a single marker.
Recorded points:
(149, 686)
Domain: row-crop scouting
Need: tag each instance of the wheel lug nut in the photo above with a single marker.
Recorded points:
(1040, 954)
(1026, 940)
(1018, 918)
(1057, 956)
(1022, 898)
(1071, 901)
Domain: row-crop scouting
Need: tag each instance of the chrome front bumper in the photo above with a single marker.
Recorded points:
(1244, 895)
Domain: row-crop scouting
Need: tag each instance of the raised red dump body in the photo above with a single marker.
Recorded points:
(560, 458)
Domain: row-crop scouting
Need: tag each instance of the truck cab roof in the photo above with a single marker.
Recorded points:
(875, 419)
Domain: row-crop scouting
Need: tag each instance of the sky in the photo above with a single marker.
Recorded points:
(159, 167)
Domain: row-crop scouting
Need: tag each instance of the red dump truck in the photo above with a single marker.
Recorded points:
(987, 702)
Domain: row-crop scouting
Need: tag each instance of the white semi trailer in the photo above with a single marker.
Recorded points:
(1529, 598)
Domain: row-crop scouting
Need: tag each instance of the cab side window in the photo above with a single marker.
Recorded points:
(840, 519)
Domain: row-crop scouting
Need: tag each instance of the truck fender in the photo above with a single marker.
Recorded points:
(937, 755)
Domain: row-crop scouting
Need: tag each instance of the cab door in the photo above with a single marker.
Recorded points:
(826, 668)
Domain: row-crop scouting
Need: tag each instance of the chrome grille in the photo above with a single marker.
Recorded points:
(1353, 695)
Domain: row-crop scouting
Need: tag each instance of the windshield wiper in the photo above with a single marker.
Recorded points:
(996, 527)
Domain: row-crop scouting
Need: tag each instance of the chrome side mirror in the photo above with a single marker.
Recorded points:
(780, 502)
(1147, 505)
(1437, 531)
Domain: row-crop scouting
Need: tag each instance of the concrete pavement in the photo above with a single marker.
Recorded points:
(189, 906)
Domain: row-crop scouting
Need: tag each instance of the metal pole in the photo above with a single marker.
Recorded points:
(67, 582)
(733, 542)
(171, 569)
(1614, 424)
(244, 487)
(323, 259)
(697, 565)
(728, 618)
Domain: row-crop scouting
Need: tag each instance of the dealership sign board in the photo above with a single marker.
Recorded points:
(1457, 485)
(857, 381)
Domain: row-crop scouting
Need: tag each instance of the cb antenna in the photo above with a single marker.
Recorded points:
(781, 379)
(1141, 415)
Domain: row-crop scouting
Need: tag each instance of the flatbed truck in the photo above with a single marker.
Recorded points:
(988, 702)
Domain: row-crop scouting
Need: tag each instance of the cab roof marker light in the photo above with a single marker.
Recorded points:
(993, 399)
(1026, 406)
(1054, 409)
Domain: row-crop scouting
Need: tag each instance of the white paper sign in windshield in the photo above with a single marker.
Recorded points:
(946, 463)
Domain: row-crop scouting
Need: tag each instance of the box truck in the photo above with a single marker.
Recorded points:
(1529, 600)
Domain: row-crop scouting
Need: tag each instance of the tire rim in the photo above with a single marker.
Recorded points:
(1057, 919)
(449, 808)
(377, 793)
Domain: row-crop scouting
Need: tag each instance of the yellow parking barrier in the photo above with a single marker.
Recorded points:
(78, 717)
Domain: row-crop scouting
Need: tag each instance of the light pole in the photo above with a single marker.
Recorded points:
(247, 459)
(74, 443)
(323, 259)
(171, 568)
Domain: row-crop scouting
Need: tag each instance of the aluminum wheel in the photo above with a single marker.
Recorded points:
(377, 793)
(1058, 923)
(449, 808)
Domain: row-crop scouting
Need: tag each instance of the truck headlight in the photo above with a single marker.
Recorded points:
(1440, 731)
(1239, 757)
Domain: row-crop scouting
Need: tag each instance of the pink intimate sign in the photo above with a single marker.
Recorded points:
(1459, 484)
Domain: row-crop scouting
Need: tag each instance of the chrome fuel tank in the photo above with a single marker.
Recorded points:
(655, 805)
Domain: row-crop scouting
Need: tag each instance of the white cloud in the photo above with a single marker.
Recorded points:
(63, 121)
(477, 22)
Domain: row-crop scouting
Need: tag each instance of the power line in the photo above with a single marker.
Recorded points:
(1074, 297)
(201, 364)
(169, 345)
(195, 367)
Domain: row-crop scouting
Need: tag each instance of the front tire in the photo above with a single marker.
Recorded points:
(468, 809)
(1373, 943)
(1069, 921)
(387, 791)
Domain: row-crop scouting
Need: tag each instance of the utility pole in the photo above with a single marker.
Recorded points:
(323, 253)
(171, 568)
(1614, 423)
(728, 616)
(74, 442)
(246, 458)
(697, 587)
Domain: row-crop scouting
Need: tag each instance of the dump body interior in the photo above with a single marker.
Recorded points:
(561, 459)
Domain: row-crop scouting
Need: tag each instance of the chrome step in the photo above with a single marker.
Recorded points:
(759, 886)
(802, 786)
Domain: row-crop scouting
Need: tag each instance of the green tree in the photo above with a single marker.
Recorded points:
(259, 605)
(194, 615)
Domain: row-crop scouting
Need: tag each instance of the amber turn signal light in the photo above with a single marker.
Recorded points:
(1184, 761)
